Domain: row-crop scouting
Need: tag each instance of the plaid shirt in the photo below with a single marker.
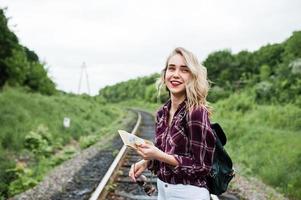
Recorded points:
(190, 140)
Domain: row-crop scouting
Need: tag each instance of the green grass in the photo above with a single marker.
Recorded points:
(24, 112)
(33, 139)
(264, 140)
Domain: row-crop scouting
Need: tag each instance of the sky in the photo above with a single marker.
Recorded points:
(126, 39)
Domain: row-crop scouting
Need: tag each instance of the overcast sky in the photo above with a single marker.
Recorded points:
(120, 40)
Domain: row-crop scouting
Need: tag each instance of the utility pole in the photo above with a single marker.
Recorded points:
(82, 72)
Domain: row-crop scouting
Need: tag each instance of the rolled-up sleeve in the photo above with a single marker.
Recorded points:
(201, 143)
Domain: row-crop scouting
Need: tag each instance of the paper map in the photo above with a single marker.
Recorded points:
(131, 139)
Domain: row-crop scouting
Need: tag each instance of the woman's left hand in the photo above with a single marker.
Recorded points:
(149, 152)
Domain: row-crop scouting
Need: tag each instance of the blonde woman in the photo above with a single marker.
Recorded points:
(184, 143)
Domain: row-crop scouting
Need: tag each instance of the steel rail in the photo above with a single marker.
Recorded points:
(100, 190)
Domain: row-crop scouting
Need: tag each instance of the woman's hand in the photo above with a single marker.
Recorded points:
(149, 152)
(137, 169)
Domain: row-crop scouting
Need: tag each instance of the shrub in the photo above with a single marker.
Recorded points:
(264, 91)
(24, 179)
(217, 93)
(86, 141)
(39, 141)
(5, 176)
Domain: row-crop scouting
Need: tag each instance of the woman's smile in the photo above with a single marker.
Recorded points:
(175, 83)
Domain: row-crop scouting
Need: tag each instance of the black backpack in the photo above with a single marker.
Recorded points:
(222, 170)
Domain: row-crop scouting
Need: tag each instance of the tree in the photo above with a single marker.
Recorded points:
(19, 66)
(221, 67)
(293, 47)
(271, 55)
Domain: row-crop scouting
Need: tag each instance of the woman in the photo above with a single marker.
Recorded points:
(184, 145)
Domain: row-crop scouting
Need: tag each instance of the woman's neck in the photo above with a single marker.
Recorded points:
(175, 102)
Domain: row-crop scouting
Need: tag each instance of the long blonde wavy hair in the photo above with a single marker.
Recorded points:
(198, 86)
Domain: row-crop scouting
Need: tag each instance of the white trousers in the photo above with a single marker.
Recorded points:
(168, 191)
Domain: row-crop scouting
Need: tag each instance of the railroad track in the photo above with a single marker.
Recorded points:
(116, 184)
(117, 175)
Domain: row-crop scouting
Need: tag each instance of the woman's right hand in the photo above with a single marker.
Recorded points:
(137, 169)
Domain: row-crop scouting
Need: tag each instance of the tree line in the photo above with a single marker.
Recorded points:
(272, 73)
(20, 66)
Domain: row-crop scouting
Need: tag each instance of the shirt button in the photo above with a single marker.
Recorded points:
(166, 185)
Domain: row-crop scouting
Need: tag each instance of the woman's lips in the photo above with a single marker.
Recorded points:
(175, 83)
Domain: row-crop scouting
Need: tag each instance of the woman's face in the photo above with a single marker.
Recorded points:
(177, 75)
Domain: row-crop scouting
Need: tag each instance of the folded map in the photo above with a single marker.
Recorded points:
(132, 140)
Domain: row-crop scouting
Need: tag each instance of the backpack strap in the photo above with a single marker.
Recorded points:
(219, 133)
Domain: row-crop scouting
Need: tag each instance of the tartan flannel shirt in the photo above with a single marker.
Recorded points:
(190, 140)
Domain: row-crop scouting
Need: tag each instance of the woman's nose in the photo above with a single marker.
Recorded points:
(176, 73)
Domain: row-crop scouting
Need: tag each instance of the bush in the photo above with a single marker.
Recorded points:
(151, 94)
(66, 154)
(240, 102)
(39, 142)
(264, 91)
(86, 141)
(24, 180)
(6, 176)
(217, 93)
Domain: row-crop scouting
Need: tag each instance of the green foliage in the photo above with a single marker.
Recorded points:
(37, 79)
(66, 154)
(217, 93)
(264, 91)
(39, 142)
(295, 66)
(271, 55)
(265, 72)
(264, 140)
(5, 176)
(20, 66)
(8, 42)
(246, 63)
(222, 66)
(273, 71)
(23, 181)
(17, 66)
(142, 88)
(150, 93)
(31, 55)
(292, 47)
(86, 141)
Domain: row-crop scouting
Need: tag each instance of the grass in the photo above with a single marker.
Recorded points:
(33, 139)
(24, 112)
(265, 140)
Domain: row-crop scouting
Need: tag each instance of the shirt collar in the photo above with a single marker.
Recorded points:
(167, 105)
